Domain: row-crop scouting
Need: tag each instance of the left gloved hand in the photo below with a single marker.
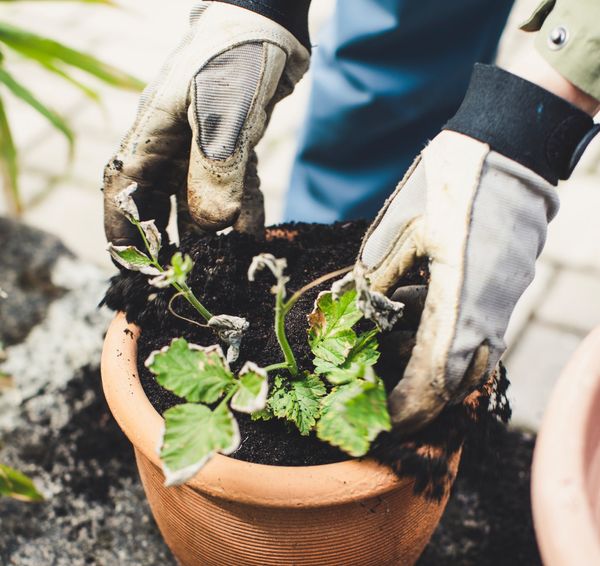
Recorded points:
(480, 212)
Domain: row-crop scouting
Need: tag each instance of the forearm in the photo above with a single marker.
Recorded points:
(291, 14)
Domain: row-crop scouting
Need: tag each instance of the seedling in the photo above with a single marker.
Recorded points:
(230, 329)
(342, 400)
(16, 485)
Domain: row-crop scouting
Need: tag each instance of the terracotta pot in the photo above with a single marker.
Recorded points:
(566, 466)
(237, 513)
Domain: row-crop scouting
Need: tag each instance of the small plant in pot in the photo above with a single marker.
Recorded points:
(289, 390)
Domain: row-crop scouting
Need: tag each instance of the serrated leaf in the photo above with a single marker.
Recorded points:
(353, 415)
(298, 401)
(330, 336)
(193, 372)
(253, 389)
(363, 355)
(193, 434)
(132, 258)
(17, 485)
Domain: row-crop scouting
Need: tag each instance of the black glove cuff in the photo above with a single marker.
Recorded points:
(291, 14)
(524, 122)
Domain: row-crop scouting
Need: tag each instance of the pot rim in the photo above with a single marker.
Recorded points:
(564, 519)
(224, 477)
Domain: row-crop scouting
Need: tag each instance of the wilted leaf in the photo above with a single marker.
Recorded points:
(353, 415)
(253, 389)
(193, 434)
(193, 372)
(277, 267)
(132, 258)
(126, 204)
(230, 330)
(298, 401)
(153, 237)
(17, 485)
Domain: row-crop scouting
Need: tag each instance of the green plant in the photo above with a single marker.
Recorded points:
(60, 60)
(18, 486)
(343, 401)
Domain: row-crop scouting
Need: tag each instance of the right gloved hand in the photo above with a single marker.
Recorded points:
(202, 118)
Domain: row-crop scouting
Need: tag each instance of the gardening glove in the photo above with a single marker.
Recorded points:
(477, 202)
(202, 118)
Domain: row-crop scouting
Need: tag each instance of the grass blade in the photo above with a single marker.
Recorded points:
(22, 92)
(35, 47)
(8, 163)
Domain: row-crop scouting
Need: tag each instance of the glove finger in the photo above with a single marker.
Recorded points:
(394, 240)
(252, 215)
(152, 155)
(231, 101)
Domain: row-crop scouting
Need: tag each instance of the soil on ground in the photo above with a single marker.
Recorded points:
(219, 279)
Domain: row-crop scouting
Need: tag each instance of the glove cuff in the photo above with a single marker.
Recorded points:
(292, 15)
(524, 122)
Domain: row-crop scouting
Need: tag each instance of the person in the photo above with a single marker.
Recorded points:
(478, 199)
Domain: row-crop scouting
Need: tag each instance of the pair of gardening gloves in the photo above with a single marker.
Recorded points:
(476, 202)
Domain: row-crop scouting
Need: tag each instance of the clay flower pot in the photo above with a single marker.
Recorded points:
(234, 512)
(566, 466)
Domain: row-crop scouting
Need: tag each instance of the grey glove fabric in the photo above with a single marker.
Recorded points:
(482, 219)
(199, 121)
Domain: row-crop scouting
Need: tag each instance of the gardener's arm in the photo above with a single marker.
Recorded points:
(478, 202)
(199, 121)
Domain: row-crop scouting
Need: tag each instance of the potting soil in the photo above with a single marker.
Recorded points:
(219, 280)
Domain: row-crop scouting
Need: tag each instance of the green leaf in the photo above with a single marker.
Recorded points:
(22, 92)
(193, 434)
(132, 258)
(195, 373)
(298, 401)
(253, 389)
(8, 162)
(364, 354)
(176, 273)
(18, 486)
(39, 48)
(330, 336)
(353, 415)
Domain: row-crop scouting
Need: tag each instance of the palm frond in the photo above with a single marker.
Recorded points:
(38, 47)
(8, 163)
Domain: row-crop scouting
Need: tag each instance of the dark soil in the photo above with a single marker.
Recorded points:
(219, 278)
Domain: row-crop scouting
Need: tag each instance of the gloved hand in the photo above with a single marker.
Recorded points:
(201, 119)
(479, 210)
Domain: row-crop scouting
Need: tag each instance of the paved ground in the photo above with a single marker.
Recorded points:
(560, 307)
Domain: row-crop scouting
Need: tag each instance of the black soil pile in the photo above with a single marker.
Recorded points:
(219, 279)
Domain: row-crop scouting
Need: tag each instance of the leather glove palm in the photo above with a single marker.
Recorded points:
(201, 119)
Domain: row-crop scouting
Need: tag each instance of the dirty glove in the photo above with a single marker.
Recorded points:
(477, 202)
(201, 119)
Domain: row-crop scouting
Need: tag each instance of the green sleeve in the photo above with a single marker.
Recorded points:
(569, 39)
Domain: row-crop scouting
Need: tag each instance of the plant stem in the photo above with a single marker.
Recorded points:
(191, 298)
(333, 275)
(272, 367)
(280, 313)
(228, 396)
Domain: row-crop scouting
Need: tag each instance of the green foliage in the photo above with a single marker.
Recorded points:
(197, 374)
(193, 434)
(59, 60)
(18, 486)
(253, 389)
(297, 400)
(353, 415)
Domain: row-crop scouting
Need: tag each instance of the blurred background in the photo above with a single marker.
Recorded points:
(62, 196)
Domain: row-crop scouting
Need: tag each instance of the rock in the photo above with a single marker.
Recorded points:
(27, 257)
